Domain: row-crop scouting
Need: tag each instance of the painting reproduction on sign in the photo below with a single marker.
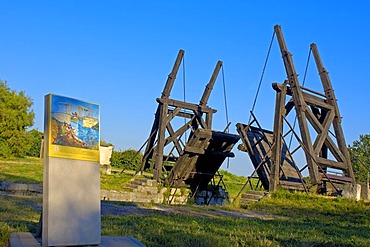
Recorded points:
(73, 128)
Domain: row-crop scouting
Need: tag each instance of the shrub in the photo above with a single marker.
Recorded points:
(128, 159)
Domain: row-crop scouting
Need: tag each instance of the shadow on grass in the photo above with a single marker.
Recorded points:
(18, 214)
(310, 229)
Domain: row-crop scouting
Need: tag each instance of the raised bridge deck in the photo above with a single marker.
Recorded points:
(203, 155)
(260, 142)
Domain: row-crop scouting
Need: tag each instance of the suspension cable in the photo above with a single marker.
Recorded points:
(225, 99)
(226, 108)
(303, 82)
(263, 73)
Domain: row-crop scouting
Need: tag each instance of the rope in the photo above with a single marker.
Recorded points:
(226, 108)
(263, 73)
(184, 88)
(225, 99)
(304, 80)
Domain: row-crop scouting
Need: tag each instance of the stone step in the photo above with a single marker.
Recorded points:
(256, 192)
(291, 185)
(244, 201)
(147, 190)
(138, 181)
(252, 196)
(144, 181)
(132, 186)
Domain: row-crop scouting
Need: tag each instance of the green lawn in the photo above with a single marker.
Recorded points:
(21, 170)
(18, 214)
(30, 170)
(300, 219)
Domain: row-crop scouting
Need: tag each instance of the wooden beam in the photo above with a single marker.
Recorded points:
(181, 114)
(172, 76)
(331, 163)
(277, 137)
(209, 86)
(172, 114)
(175, 140)
(194, 150)
(186, 105)
(177, 133)
(328, 141)
(329, 93)
(300, 106)
(148, 153)
(316, 101)
(321, 137)
(160, 142)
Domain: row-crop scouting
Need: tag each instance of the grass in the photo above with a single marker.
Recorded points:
(305, 220)
(29, 170)
(302, 220)
(116, 181)
(18, 214)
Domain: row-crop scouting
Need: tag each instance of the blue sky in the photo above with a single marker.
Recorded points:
(118, 54)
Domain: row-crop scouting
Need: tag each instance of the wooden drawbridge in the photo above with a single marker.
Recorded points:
(179, 160)
(320, 135)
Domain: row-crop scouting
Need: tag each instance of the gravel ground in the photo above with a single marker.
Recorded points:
(125, 209)
(118, 209)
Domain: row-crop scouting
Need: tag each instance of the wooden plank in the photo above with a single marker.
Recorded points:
(172, 114)
(205, 152)
(148, 153)
(159, 149)
(277, 137)
(201, 121)
(331, 163)
(316, 101)
(321, 137)
(202, 133)
(194, 150)
(336, 179)
(175, 140)
(186, 105)
(177, 133)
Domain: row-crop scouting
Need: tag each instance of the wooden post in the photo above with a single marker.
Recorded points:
(159, 124)
(300, 106)
(208, 90)
(277, 141)
(330, 96)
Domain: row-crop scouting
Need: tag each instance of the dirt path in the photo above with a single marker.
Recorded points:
(127, 209)
(117, 209)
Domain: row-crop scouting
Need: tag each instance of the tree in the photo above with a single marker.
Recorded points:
(360, 157)
(128, 159)
(15, 117)
(35, 138)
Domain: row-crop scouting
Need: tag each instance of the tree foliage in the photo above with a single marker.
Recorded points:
(360, 157)
(128, 159)
(15, 117)
(35, 138)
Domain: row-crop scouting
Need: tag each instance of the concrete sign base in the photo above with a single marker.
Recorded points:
(71, 203)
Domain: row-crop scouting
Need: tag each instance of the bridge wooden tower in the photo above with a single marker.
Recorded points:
(195, 161)
(320, 133)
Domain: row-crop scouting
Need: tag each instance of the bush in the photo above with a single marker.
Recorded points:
(128, 159)
(35, 143)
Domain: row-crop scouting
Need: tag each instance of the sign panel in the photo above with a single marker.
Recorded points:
(73, 128)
